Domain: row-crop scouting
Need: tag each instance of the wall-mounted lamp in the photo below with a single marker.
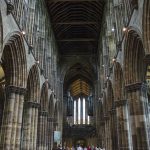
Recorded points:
(114, 59)
(37, 62)
(113, 29)
(124, 29)
(23, 32)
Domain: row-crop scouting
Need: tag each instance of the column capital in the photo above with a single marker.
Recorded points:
(112, 111)
(55, 123)
(106, 117)
(43, 113)
(15, 89)
(136, 86)
(119, 103)
(50, 119)
(10, 6)
(32, 104)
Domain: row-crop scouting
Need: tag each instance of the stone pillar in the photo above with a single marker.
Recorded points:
(12, 121)
(123, 127)
(107, 132)
(30, 125)
(138, 105)
(102, 134)
(113, 129)
(42, 131)
(50, 132)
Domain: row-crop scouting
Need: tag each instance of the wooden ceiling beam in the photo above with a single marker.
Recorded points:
(79, 40)
(76, 23)
(75, 1)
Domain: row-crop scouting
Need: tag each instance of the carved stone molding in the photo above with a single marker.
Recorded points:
(43, 113)
(32, 104)
(106, 117)
(50, 119)
(55, 123)
(136, 86)
(119, 103)
(112, 111)
(10, 7)
(15, 89)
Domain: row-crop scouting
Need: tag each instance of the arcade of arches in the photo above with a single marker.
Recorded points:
(74, 72)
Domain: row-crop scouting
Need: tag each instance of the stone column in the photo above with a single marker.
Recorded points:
(138, 105)
(106, 128)
(123, 126)
(11, 126)
(102, 134)
(30, 123)
(113, 129)
(42, 131)
(50, 132)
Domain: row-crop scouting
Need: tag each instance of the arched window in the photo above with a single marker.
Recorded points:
(80, 107)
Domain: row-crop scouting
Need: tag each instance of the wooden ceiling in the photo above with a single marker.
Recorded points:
(79, 87)
(76, 25)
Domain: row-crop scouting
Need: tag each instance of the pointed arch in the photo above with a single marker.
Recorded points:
(51, 105)
(133, 58)
(105, 104)
(14, 61)
(109, 95)
(146, 25)
(33, 85)
(44, 97)
(118, 82)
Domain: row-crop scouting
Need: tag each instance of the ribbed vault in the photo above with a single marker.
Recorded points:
(76, 24)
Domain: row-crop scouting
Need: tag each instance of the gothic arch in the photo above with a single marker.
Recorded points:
(118, 82)
(30, 114)
(133, 58)
(109, 95)
(146, 25)
(33, 85)
(14, 61)
(56, 115)
(51, 105)
(44, 97)
(105, 104)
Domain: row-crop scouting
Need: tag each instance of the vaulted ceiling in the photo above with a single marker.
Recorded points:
(76, 24)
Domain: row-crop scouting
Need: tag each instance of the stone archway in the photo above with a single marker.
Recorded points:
(146, 26)
(31, 106)
(43, 118)
(134, 76)
(133, 58)
(15, 70)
